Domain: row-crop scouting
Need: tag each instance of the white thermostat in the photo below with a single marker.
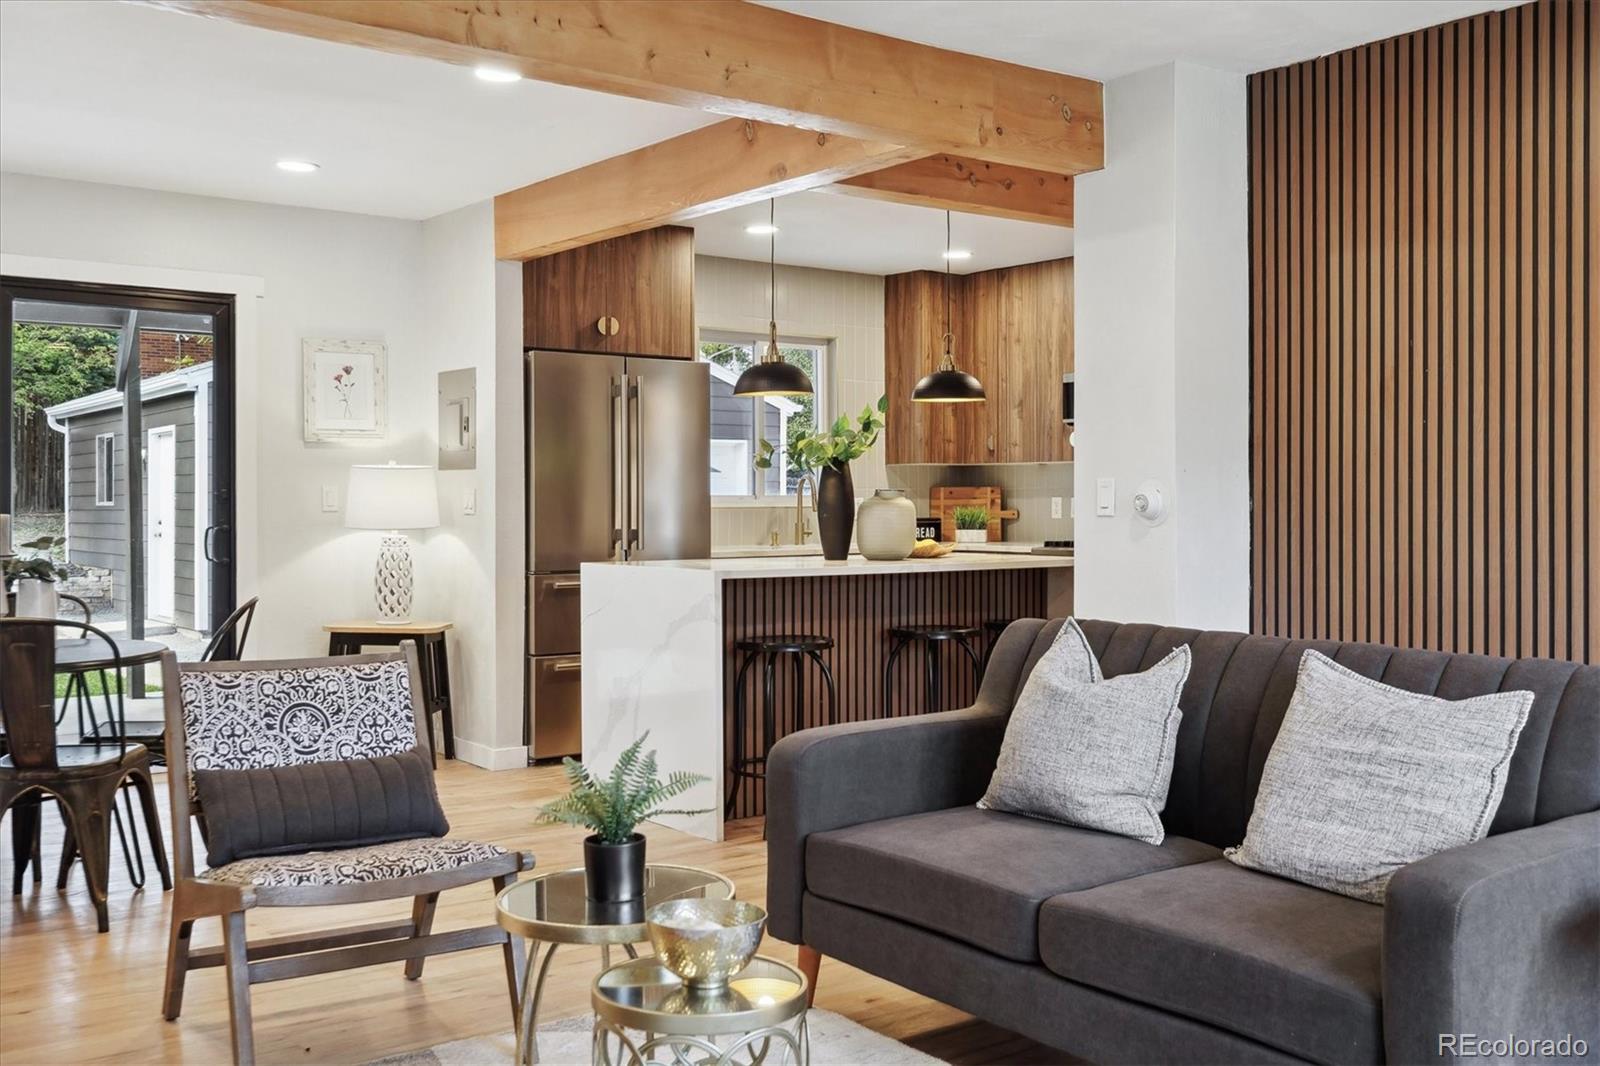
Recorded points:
(1148, 503)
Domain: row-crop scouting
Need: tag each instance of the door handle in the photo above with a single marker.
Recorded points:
(619, 521)
(567, 664)
(209, 543)
(571, 584)
(636, 474)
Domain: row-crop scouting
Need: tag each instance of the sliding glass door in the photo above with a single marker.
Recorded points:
(118, 452)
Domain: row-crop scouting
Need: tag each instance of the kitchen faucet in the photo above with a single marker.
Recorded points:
(802, 528)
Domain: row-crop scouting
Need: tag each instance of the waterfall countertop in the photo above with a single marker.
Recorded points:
(774, 564)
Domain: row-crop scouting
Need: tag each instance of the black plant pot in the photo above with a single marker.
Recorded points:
(836, 510)
(614, 873)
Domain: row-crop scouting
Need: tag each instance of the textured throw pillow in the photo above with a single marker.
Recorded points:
(1089, 752)
(319, 806)
(1365, 778)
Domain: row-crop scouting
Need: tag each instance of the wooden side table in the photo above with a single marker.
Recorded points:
(433, 661)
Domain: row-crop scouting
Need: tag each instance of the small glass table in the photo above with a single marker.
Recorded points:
(553, 909)
(762, 1006)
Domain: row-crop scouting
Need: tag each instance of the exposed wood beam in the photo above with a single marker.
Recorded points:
(958, 184)
(710, 169)
(730, 58)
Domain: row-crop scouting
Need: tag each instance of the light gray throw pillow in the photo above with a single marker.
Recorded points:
(1365, 778)
(1089, 752)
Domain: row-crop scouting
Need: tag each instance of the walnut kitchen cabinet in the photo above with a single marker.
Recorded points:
(1014, 330)
(630, 295)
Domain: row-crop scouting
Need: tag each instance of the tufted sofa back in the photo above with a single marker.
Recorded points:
(1239, 688)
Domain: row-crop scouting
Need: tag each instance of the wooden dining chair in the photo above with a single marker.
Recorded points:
(236, 627)
(83, 778)
(250, 716)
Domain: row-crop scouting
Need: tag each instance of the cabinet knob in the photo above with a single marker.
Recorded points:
(607, 326)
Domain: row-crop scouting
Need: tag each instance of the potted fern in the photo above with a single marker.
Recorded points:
(611, 807)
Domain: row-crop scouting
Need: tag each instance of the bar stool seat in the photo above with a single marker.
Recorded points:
(751, 765)
(931, 637)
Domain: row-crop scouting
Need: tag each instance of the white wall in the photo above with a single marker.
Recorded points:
(427, 290)
(1162, 352)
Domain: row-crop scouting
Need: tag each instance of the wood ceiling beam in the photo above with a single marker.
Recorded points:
(735, 59)
(711, 169)
(957, 184)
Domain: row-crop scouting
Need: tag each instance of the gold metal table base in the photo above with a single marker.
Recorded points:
(791, 1040)
(533, 994)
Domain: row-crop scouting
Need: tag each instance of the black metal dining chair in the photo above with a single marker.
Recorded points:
(237, 626)
(83, 778)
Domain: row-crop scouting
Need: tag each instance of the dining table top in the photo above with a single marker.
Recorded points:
(76, 654)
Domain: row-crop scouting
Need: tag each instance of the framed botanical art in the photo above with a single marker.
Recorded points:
(346, 395)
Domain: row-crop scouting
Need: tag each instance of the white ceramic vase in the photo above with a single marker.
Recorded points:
(886, 525)
(36, 598)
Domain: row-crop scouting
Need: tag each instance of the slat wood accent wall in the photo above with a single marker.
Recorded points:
(1425, 377)
(857, 613)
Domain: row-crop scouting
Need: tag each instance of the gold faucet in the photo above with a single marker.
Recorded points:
(802, 528)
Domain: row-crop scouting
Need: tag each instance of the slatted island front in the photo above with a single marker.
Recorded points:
(659, 652)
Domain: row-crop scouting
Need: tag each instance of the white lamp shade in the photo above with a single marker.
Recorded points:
(392, 497)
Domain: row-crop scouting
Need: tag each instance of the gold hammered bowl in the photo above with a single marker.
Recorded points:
(705, 941)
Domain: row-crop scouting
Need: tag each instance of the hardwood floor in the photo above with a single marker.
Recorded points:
(70, 995)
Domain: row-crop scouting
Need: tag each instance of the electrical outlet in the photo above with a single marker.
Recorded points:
(1105, 497)
(469, 502)
(1055, 507)
(330, 498)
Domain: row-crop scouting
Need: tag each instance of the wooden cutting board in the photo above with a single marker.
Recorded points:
(946, 498)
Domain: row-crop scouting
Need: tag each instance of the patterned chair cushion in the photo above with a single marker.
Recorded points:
(350, 866)
(247, 719)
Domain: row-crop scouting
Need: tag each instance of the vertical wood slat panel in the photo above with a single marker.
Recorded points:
(856, 612)
(1424, 371)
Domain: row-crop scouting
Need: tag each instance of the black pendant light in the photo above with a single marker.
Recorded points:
(947, 384)
(771, 376)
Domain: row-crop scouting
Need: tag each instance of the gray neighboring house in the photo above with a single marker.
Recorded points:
(732, 440)
(176, 415)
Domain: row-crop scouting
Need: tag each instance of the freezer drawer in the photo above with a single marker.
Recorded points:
(554, 616)
(555, 706)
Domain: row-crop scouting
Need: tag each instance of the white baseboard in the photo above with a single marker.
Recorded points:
(492, 758)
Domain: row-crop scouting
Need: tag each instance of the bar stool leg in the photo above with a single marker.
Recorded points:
(738, 765)
(930, 661)
(895, 649)
(833, 691)
(977, 666)
(797, 700)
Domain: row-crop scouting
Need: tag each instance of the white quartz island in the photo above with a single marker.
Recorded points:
(658, 647)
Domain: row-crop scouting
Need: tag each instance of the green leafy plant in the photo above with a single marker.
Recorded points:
(610, 807)
(835, 446)
(972, 517)
(42, 566)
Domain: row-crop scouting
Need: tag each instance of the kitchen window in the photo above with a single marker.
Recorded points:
(739, 423)
(105, 470)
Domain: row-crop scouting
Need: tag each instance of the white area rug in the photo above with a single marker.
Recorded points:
(835, 1041)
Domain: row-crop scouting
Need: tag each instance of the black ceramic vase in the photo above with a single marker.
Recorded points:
(613, 873)
(836, 510)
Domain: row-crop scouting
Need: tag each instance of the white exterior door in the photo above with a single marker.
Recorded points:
(161, 526)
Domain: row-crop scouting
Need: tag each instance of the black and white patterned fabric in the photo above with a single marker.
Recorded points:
(350, 866)
(249, 719)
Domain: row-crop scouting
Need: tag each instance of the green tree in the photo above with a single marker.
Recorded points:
(52, 364)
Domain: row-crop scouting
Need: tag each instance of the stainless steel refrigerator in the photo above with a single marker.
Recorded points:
(619, 462)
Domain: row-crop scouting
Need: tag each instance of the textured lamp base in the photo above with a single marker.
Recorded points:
(391, 581)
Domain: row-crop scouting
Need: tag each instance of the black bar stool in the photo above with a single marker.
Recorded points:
(748, 764)
(931, 637)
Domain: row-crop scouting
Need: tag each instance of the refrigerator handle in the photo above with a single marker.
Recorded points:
(619, 521)
(636, 464)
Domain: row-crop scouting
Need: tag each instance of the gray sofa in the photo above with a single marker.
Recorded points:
(1119, 951)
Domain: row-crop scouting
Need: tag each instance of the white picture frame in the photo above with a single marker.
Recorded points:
(346, 389)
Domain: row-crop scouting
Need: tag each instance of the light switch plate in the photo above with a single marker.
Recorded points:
(1055, 507)
(330, 498)
(469, 502)
(1105, 497)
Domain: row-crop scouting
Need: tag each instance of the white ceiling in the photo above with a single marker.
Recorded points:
(131, 95)
(1103, 39)
(837, 232)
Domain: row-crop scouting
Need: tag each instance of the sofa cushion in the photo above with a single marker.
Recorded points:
(979, 876)
(1291, 966)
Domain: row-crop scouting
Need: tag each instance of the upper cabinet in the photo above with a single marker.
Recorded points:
(631, 295)
(1013, 329)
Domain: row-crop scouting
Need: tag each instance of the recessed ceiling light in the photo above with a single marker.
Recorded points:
(498, 75)
(761, 229)
(297, 166)
(958, 253)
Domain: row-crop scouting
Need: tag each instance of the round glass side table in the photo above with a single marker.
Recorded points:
(553, 909)
(760, 1011)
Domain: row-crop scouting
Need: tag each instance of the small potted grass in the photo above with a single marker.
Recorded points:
(611, 808)
(972, 524)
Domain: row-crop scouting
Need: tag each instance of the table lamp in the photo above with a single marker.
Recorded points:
(392, 498)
